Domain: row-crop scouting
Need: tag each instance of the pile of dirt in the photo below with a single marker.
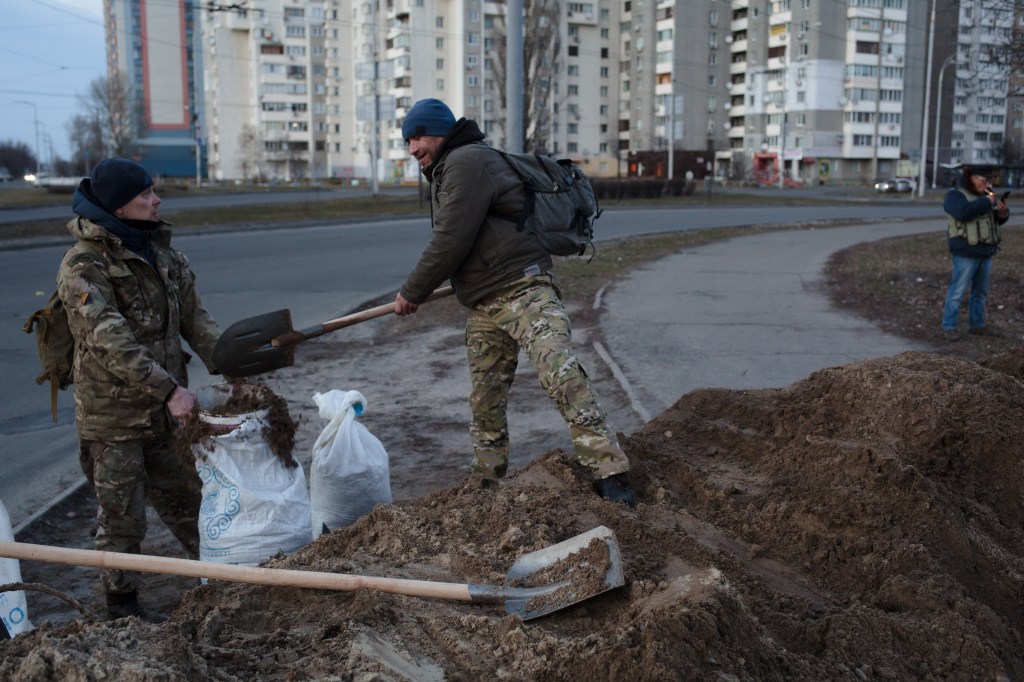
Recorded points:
(864, 523)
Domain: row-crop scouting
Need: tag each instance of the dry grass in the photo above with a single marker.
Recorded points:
(901, 284)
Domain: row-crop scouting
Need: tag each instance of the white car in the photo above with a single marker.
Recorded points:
(896, 185)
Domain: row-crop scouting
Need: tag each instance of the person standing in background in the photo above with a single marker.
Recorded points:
(973, 214)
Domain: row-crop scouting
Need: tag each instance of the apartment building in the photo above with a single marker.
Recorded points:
(974, 109)
(774, 91)
(152, 45)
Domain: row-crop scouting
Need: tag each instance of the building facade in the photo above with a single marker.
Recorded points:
(769, 91)
(152, 46)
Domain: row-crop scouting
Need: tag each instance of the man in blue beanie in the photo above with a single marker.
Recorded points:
(130, 300)
(505, 278)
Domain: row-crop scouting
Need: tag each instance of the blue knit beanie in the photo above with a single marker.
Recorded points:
(114, 182)
(428, 117)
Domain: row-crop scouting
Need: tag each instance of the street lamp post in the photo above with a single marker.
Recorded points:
(35, 124)
(951, 59)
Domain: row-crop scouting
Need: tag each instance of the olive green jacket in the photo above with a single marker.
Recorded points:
(128, 320)
(478, 251)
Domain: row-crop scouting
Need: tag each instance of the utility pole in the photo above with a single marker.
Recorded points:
(514, 77)
(375, 137)
(671, 126)
(782, 123)
(927, 99)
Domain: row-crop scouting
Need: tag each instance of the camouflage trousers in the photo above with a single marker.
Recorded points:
(123, 474)
(530, 315)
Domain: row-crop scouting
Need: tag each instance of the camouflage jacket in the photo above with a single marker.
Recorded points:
(128, 319)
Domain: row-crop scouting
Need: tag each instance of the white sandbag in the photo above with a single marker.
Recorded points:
(13, 606)
(349, 472)
(253, 504)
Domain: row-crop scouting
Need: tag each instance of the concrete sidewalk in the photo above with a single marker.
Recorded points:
(751, 312)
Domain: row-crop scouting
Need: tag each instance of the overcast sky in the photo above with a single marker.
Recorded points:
(50, 51)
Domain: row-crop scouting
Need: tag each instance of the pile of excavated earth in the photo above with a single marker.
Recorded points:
(863, 523)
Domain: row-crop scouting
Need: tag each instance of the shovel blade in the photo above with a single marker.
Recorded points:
(245, 348)
(578, 568)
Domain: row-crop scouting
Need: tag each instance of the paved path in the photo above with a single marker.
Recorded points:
(750, 312)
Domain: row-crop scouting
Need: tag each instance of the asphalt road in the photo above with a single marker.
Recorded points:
(316, 272)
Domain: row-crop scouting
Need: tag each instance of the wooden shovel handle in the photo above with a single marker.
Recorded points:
(294, 337)
(239, 574)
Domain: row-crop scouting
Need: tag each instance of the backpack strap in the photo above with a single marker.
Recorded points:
(530, 192)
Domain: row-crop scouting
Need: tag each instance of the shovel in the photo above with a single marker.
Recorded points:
(267, 342)
(572, 578)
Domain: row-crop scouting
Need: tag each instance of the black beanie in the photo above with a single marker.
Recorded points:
(115, 182)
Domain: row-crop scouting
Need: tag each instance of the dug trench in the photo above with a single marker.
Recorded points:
(863, 523)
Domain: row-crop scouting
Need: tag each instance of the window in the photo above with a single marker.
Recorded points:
(574, 50)
(862, 140)
(439, 64)
(439, 22)
(440, 84)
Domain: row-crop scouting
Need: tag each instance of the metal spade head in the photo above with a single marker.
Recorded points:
(565, 573)
(245, 348)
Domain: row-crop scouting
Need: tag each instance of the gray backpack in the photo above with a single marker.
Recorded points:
(560, 207)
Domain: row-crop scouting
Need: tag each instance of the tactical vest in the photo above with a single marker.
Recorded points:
(982, 230)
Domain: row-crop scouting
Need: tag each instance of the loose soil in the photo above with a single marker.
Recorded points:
(863, 523)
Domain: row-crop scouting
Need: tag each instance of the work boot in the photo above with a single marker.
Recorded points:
(124, 604)
(615, 488)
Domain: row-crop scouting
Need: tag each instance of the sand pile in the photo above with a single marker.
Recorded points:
(864, 523)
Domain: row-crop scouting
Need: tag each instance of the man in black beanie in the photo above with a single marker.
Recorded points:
(130, 300)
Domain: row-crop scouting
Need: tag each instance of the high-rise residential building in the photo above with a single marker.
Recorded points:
(152, 46)
(973, 106)
(772, 91)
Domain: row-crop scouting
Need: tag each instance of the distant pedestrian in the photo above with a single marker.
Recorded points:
(974, 215)
(504, 276)
(130, 300)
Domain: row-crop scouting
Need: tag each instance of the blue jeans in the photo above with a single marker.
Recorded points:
(974, 271)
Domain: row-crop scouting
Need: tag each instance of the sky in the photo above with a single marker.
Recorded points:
(50, 51)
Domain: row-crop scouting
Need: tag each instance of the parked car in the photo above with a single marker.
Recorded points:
(896, 185)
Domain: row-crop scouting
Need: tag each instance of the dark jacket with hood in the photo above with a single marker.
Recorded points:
(478, 251)
(130, 299)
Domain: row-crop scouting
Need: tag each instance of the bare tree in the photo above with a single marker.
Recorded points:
(85, 132)
(542, 48)
(111, 104)
(16, 157)
(250, 151)
(1004, 50)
